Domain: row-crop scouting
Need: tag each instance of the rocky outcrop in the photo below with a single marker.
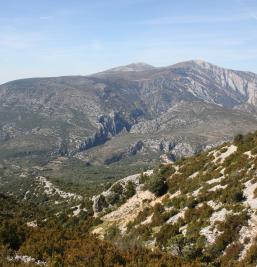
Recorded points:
(135, 148)
(110, 125)
(112, 196)
(131, 151)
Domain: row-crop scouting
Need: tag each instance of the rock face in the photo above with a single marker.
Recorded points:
(117, 194)
(111, 125)
(127, 110)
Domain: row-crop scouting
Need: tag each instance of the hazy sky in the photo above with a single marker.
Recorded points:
(69, 37)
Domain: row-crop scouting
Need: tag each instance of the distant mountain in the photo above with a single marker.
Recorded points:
(127, 111)
(132, 67)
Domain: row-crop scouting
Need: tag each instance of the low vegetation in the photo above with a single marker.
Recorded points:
(200, 211)
(202, 207)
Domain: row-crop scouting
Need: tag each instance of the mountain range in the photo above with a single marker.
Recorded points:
(138, 109)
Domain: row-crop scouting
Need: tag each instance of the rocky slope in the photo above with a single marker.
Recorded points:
(200, 208)
(134, 109)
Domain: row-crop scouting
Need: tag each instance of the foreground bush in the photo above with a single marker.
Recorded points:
(156, 184)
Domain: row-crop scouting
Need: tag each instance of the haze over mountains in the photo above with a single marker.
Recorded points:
(127, 111)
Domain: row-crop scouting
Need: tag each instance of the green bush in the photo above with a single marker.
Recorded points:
(238, 139)
(113, 198)
(101, 203)
(166, 232)
(130, 190)
(112, 233)
(12, 234)
(232, 194)
(166, 170)
(117, 188)
(157, 184)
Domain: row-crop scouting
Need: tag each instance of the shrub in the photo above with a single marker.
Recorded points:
(231, 254)
(101, 203)
(117, 188)
(12, 235)
(160, 216)
(238, 139)
(113, 198)
(230, 229)
(143, 231)
(179, 202)
(112, 233)
(166, 170)
(177, 244)
(130, 190)
(140, 217)
(175, 181)
(232, 194)
(251, 256)
(166, 232)
(157, 185)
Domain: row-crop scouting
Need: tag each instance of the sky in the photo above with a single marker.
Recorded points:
(79, 37)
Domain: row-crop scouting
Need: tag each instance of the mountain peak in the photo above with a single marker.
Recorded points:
(199, 61)
(196, 63)
(139, 66)
(193, 62)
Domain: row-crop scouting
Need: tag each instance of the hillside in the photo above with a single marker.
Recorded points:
(197, 211)
(202, 208)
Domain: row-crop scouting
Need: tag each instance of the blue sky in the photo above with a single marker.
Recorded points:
(70, 37)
